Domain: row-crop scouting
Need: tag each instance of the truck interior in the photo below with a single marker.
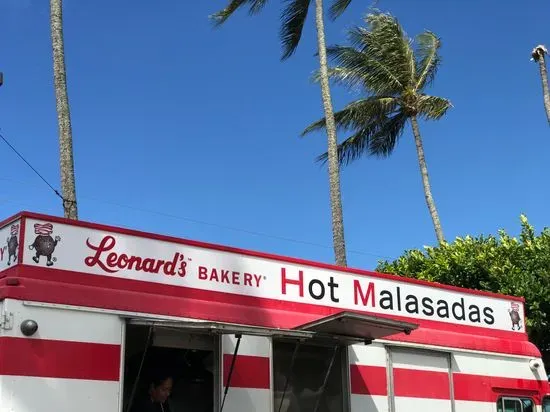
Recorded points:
(189, 358)
(309, 377)
(309, 362)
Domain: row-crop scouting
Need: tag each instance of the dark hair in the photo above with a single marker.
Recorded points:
(158, 377)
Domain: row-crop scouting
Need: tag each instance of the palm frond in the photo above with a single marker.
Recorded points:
(292, 23)
(384, 141)
(377, 137)
(337, 8)
(428, 59)
(344, 119)
(257, 6)
(357, 67)
(354, 146)
(381, 59)
(221, 16)
(342, 77)
(432, 107)
(358, 114)
(385, 41)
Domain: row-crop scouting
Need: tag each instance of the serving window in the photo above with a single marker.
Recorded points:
(309, 377)
(180, 367)
(179, 363)
(309, 363)
(313, 374)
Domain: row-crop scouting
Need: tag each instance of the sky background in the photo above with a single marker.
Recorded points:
(191, 131)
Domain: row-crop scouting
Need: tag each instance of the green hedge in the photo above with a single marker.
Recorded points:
(503, 264)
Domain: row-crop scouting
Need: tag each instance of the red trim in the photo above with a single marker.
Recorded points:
(473, 341)
(7, 221)
(122, 286)
(12, 271)
(250, 372)
(120, 294)
(489, 389)
(59, 359)
(368, 380)
(269, 256)
(21, 242)
(415, 383)
(371, 380)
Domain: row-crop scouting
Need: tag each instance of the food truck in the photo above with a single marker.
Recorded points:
(87, 311)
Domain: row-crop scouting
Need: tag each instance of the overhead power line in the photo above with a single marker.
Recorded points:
(183, 218)
(32, 168)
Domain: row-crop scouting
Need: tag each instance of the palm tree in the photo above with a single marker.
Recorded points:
(63, 113)
(538, 55)
(292, 23)
(382, 62)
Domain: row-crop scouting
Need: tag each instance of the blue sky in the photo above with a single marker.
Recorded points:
(176, 123)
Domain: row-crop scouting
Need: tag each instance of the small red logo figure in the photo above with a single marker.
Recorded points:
(13, 243)
(44, 244)
(514, 315)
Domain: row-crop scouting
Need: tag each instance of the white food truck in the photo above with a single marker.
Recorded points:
(89, 312)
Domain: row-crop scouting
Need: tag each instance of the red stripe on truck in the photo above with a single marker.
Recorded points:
(41, 284)
(59, 359)
(251, 372)
(368, 380)
(414, 383)
(490, 388)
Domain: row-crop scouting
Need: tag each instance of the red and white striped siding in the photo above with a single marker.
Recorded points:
(421, 380)
(368, 378)
(71, 363)
(250, 386)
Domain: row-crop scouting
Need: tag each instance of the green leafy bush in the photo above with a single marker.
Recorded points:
(503, 264)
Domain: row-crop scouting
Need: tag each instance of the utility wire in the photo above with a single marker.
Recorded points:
(216, 225)
(199, 222)
(32, 168)
(169, 215)
(236, 229)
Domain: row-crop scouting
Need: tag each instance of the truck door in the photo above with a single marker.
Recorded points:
(419, 380)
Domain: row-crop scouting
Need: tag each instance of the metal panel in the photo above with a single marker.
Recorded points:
(413, 371)
(346, 384)
(37, 388)
(122, 366)
(451, 381)
(389, 369)
(222, 328)
(358, 327)
(250, 395)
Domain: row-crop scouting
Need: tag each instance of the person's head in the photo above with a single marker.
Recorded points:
(160, 387)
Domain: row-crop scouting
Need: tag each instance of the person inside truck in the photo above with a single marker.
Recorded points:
(156, 398)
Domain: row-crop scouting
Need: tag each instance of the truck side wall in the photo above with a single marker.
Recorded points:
(71, 363)
(427, 380)
(250, 385)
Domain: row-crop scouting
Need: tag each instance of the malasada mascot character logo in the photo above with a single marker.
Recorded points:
(514, 315)
(44, 244)
(13, 244)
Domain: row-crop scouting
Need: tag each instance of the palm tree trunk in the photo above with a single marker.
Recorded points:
(63, 114)
(338, 239)
(544, 78)
(426, 181)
